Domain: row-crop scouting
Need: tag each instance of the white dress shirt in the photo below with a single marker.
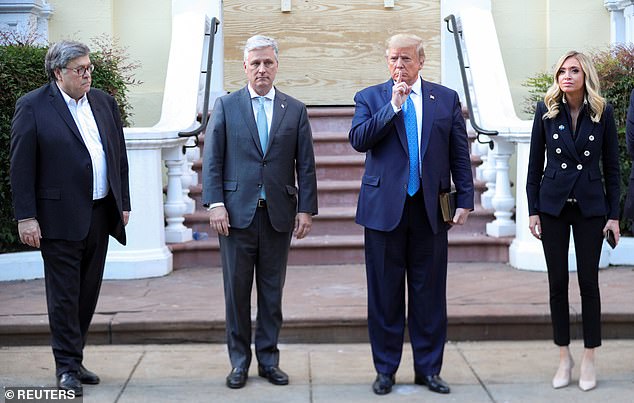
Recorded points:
(85, 121)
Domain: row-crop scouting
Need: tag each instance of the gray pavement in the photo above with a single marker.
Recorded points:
(324, 339)
(507, 371)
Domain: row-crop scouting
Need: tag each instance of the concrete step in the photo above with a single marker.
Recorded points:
(339, 167)
(343, 249)
(332, 143)
(331, 193)
(330, 119)
(330, 220)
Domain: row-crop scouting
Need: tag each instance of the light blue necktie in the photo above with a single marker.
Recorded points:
(411, 129)
(263, 132)
(263, 124)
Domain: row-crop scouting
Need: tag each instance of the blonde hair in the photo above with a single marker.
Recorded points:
(405, 41)
(554, 95)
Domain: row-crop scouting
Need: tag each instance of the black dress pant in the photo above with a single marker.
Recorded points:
(588, 240)
(73, 271)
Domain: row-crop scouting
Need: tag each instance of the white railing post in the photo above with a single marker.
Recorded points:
(175, 207)
(189, 176)
(503, 201)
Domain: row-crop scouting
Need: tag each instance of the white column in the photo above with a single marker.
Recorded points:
(145, 254)
(525, 251)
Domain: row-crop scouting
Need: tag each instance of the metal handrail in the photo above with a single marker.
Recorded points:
(463, 72)
(204, 119)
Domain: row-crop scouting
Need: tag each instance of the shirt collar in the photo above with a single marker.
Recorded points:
(68, 99)
(269, 95)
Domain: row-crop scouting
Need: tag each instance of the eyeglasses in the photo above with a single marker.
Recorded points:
(81, 70)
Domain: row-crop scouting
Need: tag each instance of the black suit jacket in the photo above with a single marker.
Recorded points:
(51, 169)
(234, 167)
(573, 166)
(629, 201)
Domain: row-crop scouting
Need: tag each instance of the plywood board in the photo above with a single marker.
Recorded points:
(329, 49)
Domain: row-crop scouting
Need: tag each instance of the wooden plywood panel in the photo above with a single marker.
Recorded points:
(329, 49)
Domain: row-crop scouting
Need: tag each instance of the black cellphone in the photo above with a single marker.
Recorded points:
(609, 237)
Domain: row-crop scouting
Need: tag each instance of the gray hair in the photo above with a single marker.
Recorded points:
(61, 53)
(405, 41)
(259, 42)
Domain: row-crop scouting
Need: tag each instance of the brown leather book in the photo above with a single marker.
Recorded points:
(448, 205)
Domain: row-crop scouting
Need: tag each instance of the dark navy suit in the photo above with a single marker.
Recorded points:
(629, 201)
(571, 191)
(405, 237)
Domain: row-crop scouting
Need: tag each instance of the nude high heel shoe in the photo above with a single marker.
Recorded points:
(587, 376)
(563, 374)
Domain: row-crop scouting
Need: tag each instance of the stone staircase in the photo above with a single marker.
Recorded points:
(335, 238)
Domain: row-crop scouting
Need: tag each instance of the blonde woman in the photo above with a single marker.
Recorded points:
(574, 134)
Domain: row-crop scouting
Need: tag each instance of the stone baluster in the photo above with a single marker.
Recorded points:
(503, 201)
(175, 206)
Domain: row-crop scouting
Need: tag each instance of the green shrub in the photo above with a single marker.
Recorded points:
(22, 70)
(615, 67)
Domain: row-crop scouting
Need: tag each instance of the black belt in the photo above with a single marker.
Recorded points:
(261, 203)
(98, 202)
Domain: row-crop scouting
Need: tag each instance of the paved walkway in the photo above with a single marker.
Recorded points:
(486, 301)
(324, 348)
(476, 371)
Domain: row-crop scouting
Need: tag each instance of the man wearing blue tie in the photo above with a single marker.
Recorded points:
(415, 141)
(260, 187)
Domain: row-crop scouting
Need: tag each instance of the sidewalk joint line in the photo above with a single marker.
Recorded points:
(127, 381)
(475, 374)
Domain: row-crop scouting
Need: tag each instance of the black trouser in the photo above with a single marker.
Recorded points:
(588, 239)
(73, 271)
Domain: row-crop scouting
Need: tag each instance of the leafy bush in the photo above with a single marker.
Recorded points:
(615, 67)
(22, 70)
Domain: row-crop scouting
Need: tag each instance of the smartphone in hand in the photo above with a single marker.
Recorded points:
(609, 237)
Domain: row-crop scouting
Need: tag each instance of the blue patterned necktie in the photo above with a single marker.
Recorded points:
(263, 132)
(411, 129)
(263, 125)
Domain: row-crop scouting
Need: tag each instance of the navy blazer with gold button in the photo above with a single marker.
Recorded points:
(573, 165)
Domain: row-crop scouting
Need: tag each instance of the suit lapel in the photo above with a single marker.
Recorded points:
(429, 110)
(246, 110)
(61, 108)
(97, 113)
(399, 122)
(586, 129)
(279, 110)
(564, 131)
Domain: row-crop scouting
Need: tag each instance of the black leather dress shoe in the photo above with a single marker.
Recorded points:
(383, 384)
(88, 377)
(69, 381)
(433, 382)
(237, 378)
(274, 374)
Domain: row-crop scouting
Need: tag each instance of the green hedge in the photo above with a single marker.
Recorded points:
(22, 70)
(615, 67)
